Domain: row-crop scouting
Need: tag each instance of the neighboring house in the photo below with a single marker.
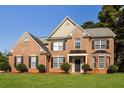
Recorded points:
(67, 43)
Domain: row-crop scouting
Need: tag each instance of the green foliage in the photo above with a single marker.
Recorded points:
(21, 68)
(121, 67)
(108, 15)
(112, 16)
(41, 68)
(112, 69)
(3, 58)
(88, 24)
(4, 66)
(86, 68)
(65, 66)
(119, 41)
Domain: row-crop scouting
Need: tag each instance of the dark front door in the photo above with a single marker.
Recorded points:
(77, 65)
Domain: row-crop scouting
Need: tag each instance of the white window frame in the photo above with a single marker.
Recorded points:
(100, 41)
(99, 62)
(77, 40)
(58, 46)
(17, 60)
(33, 62)
(58, 62)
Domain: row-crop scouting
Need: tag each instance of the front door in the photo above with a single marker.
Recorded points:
(77, 65)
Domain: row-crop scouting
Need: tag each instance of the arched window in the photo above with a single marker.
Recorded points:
(77, 43)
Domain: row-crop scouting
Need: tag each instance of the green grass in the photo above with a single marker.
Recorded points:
(23, 80)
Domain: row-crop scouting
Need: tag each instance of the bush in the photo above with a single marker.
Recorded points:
(86, 68)
(112, 69)
(65, 67)
(21, 68)
(41, 68)
(121, 67)
(4, 66)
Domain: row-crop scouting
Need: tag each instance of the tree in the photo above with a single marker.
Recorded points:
(3, 58)
(4, 66)
(108, 16)
(113, 17)
(119, 41)
(88, 24)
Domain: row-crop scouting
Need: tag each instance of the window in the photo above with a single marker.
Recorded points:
(77, 43)
(57, 61)
(33, 61)
(19, 60)
(100, 44)
(96, 44)
(27, 39)
(57, 46)
(107, 61)
(94, 62)
(103, 44)
(101, 61)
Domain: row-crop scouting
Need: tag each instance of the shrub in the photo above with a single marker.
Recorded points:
(41, 68)
(86, 68)
(65, 67)
(112, 69)
(21, 68)
(121, 67)
(4, 66)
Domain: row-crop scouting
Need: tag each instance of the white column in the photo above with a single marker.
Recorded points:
(86, 59)
(68, 58)
(73, 65)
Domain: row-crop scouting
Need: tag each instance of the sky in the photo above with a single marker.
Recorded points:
(39, 20)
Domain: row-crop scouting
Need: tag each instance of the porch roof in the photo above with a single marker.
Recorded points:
(77, 52)
(100, 51)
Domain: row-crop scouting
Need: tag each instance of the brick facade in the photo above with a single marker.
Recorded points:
(31, 48)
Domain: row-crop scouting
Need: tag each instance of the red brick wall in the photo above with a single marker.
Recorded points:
(26, 49)
(86, 44)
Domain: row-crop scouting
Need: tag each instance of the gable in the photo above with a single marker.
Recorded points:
(64, 28)
(27, 39)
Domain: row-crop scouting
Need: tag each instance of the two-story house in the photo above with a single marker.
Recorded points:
(67, 43)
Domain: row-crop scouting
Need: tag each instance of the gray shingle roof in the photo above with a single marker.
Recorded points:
(100, 32)
(43, 39)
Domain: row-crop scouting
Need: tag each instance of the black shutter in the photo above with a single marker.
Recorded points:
(92, 44)
(22, 60)
(51, 46)
(63, 59)
(29, 62)
(36, 61)
(64, 45)
(51, 62)
(107, 44)
(14, 61)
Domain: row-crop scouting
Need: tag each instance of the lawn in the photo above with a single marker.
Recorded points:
(23, 80)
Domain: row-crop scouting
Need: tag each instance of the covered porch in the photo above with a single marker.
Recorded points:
(77, 58)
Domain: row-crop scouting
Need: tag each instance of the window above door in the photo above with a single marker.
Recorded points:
(77, 43)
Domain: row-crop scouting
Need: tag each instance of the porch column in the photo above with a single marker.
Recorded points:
(73, 65)
(86, 59)
(82, 62)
